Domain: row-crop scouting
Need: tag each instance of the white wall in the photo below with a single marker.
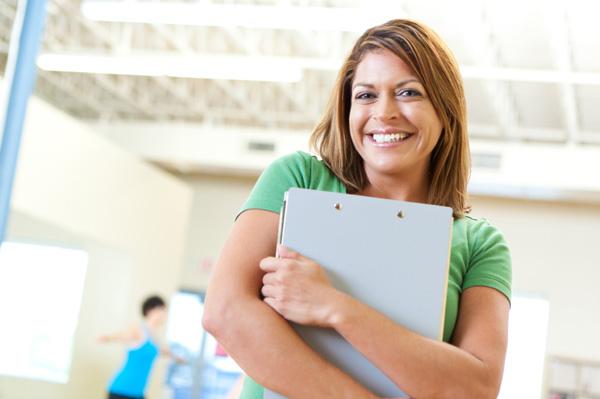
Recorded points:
(554, 246)
(217, 200)
(509, 169)
(556, 254)
(77, 189)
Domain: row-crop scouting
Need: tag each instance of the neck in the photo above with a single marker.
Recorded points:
(412, 187)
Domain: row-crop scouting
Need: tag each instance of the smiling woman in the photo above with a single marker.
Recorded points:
(393, 125)
(400, 78)
(395, 128)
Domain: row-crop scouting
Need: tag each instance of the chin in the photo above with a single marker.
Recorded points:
(387, 168)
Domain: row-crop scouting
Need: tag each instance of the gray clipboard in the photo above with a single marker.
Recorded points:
(390, 255)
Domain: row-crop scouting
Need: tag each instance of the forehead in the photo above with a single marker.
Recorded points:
(380, 66)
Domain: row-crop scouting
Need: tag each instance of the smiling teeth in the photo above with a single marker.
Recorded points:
(389, 138)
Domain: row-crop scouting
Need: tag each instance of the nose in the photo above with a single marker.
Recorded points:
(386, 108)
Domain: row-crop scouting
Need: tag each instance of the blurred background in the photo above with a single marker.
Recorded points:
(151, 120)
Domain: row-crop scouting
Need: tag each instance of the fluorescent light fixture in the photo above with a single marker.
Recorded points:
(266, 69)
(261, 68)
(242, 15)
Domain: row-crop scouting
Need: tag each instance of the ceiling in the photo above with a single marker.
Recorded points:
(531, 68)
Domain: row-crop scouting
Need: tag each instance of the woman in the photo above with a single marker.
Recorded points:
(395, 128)
(143, 349)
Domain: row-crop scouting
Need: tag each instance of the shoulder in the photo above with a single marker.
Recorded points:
(293, 168)
(300, 163)
(134, 333)
(475, 231)
(478, 241)
(299, 159)
(488, 258)
(298, 169)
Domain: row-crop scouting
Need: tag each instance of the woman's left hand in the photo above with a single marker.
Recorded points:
(298, 289)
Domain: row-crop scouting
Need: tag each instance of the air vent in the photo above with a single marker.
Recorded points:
(261, 146)
(486, 160)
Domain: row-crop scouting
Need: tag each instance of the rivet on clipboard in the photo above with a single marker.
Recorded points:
(337, 206)
(400, 215)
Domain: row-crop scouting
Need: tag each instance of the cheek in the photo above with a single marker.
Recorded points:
(357, 119)
(436, 132)
(425, 119)
(355, 125)
(352, 121)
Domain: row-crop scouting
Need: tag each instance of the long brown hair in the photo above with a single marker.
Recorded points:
(434, 65)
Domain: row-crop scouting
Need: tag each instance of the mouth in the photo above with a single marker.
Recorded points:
(389, 138)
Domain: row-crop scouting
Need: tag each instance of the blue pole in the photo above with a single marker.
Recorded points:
(20, 78)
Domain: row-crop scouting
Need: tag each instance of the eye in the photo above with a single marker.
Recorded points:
(409, 93)
(365, 95)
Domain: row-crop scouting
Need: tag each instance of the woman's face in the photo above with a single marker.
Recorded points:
(393, 125)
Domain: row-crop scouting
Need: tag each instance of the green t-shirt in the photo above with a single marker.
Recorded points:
(479, 255)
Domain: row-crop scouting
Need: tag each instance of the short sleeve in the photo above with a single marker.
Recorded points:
(490, 262)
(286, 172)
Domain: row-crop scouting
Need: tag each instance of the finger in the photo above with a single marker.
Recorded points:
(269, 279)
(269, 264)
(268, 291)
(284, 252)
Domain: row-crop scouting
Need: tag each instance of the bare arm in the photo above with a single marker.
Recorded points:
(424, 368)
(131, 336)
(258, 338)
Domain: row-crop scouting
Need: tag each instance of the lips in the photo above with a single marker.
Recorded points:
(390, 138)
(385, 136)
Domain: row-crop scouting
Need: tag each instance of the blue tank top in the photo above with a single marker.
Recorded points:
(132, 379)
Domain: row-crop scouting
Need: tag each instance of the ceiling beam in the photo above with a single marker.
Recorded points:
(296, 96)
(244, 103)
(563, 51)
(126, 96)
(68, 87)
(499, 93)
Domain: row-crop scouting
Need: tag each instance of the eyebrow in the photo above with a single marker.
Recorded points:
(399, 84)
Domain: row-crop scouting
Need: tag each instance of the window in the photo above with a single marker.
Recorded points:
(184, 327)
(40, 296)
(209, 372)
(524, 367)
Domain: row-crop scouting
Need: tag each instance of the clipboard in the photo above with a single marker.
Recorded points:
(391, 255)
